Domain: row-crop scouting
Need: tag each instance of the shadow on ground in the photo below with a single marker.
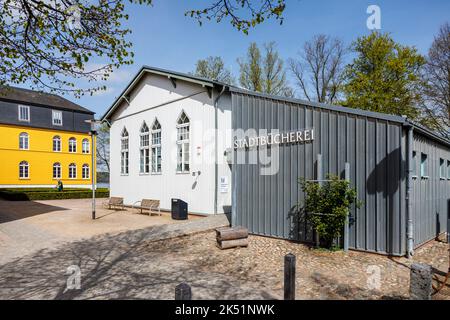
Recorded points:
(16, 210)
(123, 266)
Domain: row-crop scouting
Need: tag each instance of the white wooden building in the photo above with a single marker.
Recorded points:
(168, 138)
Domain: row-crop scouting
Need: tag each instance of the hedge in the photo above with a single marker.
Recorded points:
(50, 194)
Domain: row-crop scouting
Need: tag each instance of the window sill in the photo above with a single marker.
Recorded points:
(442, 178)
(156, 173)
(425, 177)
(24, 179)
(183, 172)
(414, 177)
(125, 174)
(144, 173)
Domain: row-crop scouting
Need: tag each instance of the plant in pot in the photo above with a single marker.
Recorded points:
(328, 205)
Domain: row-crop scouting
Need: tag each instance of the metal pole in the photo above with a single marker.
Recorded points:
(409, 206)
(93, 173)
(346, 225)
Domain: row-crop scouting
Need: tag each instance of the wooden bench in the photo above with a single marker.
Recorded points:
(114, 203)
(148, 204)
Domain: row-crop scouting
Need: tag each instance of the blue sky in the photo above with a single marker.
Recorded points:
(164, 37)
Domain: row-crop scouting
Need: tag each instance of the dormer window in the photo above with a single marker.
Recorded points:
(57, 118)
(24, 113)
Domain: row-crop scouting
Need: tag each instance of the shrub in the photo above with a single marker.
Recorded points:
(328, 206)
(17, 194)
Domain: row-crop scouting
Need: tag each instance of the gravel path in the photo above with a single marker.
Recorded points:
(129, 266)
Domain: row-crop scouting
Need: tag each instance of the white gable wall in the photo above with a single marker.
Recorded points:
(198, 190)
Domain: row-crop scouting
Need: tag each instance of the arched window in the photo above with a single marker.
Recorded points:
(56, 170)
(57, 143)
(72, 145)
(24, 172)
(124, 151)
(156, 147)
(24, 141)
(144, 149)
(85, 146)
(72, 171)
(183, 149)
(85, 171)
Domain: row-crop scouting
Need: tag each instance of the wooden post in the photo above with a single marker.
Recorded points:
(289, 277)
(183, 292)
(346, 225)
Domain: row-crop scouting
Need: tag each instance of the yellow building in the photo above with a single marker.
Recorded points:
(43, 138)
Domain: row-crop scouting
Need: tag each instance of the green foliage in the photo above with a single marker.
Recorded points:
(243, 14)
(213, 68)
(328, 205)
(384, 77)
(18, 194)
(264, 73)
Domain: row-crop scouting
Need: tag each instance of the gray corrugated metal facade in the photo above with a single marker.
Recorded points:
(431, 193)
(374, 145)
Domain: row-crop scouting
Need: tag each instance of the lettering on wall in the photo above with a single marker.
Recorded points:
(300, 136)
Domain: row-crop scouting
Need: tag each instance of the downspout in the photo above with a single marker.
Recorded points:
(409, 173)
(216, 153)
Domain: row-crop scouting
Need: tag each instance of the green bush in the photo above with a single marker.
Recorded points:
(328, 206)
(17, 194)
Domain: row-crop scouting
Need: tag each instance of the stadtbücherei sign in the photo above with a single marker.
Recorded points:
(301, 136)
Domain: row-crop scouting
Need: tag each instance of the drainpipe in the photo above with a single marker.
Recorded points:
(409, 226)
(216, 153)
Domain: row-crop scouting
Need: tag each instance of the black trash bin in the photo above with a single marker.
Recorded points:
(179, 209)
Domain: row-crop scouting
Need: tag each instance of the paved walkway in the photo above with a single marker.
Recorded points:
(29, 226)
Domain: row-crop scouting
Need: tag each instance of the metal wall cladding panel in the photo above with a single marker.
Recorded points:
(430, 194)
(374, 148)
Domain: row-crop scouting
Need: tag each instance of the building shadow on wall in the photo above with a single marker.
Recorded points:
(385, 180)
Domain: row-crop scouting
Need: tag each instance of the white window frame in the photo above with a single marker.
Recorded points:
(71, 167)
(56, 141)
(144, 149)
(414, 164)
(72, 146)
(85, 146)
(156, 136)
(183, 144)
(442, 169)
(124, 152)
(19, 115)
(24, 141)
(57, 165)
(424, 166)
(54, 117)
(85, 171)
(26, 170)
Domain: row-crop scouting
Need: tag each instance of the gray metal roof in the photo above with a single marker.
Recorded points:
(30, 97)
(231, 88)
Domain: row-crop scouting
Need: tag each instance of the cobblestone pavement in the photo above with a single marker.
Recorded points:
(28, 226)
(130, 266)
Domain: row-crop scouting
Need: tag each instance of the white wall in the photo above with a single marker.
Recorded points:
(198, 190)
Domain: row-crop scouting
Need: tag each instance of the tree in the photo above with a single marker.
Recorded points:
(319, 70)
(50, 44)
(264, 74)
(102, 143)
(213, 68)
(384, 77)
(437, 83)
(232, 9)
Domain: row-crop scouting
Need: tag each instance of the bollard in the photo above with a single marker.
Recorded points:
(183, 292)
(289, 277)
(420, 286)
